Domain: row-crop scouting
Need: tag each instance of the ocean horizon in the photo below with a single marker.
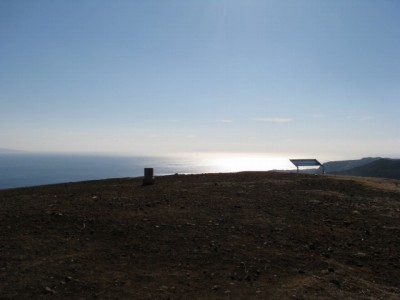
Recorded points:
(32, 169)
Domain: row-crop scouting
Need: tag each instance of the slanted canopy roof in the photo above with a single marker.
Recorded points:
(305, 162)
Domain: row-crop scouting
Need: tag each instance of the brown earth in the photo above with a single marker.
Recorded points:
(215, 236)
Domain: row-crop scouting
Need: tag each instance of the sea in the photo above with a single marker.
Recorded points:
(32, 169)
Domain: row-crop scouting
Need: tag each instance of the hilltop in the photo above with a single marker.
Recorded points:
(251, 235)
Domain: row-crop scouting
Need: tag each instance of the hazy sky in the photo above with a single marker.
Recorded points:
(317, 78)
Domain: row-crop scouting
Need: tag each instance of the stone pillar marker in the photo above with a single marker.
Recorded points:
(148, 176)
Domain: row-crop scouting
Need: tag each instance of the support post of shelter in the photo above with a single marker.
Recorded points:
(148, 176)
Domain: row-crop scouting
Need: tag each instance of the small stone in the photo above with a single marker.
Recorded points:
(347, 223)
(215, 287)
(335, 282)
(359, 255)
(48, 290)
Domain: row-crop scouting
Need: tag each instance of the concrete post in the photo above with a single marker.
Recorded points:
(148, 176)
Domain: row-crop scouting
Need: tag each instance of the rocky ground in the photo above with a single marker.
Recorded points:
(215, 236)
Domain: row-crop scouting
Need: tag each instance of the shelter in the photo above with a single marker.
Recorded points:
(307, 163)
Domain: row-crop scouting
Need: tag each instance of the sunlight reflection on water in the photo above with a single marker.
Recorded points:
(234, 162)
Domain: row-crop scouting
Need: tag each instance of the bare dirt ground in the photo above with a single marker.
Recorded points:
(215, 236)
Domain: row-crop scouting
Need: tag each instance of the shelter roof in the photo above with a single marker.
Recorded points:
(305, 162)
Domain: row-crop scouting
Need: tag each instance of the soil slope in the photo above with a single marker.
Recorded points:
(215, 236)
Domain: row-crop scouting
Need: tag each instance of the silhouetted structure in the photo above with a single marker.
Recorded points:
(307, 163)
(148, 176)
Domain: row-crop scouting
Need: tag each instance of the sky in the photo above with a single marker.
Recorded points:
(159, 77)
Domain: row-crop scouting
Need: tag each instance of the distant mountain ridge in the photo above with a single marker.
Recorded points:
(365, 167)
(344, 165)
(383, 167)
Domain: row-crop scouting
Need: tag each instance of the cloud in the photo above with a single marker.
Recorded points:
(225, 121)
(274, 120)
(317, 116)
(359, 118)
(366, 118)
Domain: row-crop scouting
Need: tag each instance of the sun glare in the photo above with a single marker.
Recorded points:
(249, 162)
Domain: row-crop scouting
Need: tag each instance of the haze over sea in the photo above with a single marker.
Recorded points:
(29, 169)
